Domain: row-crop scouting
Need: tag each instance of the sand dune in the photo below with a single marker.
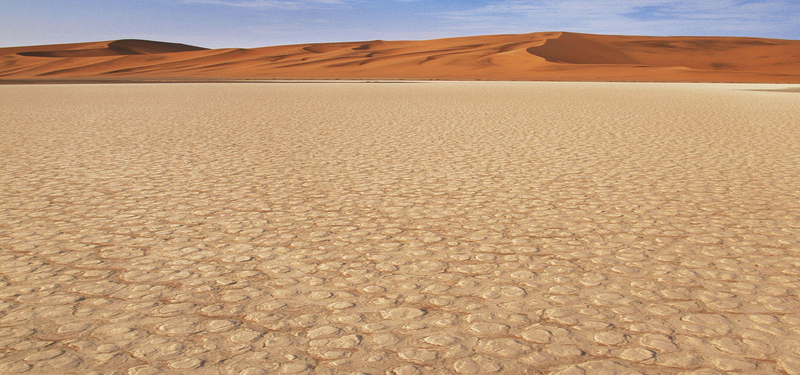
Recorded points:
(536, 56)
(112, 48)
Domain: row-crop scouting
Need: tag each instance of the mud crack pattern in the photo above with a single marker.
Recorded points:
(399, 228)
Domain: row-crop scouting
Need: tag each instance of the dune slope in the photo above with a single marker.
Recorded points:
(110, 48)
(536, 56)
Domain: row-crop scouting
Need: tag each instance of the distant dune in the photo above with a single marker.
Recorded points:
(557, 56)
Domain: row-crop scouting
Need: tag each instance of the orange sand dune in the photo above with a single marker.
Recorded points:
(112, 48)
(536, 56)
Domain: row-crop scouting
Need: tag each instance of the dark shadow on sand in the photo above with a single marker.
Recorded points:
(795, 90)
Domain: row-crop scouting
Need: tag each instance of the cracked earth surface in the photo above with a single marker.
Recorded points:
(400, 228)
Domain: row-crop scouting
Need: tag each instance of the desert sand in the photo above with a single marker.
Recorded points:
(555, 56)
(400, 228)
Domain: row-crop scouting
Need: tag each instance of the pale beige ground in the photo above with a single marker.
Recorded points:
(402, 228)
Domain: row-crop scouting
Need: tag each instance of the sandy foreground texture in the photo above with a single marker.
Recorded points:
(401, 228)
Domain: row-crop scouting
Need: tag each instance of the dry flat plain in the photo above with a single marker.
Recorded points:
(401, 228)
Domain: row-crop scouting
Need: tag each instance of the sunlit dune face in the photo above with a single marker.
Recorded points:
(538, 56)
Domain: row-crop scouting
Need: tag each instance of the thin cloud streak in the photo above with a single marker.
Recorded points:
(654, 17)
(270, 4)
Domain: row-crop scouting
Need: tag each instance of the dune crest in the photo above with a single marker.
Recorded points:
(535, 56)
(575, 49)
(110, 48)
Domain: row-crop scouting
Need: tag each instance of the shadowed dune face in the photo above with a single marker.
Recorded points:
(536, 56)
(575, 49)
(113, 48)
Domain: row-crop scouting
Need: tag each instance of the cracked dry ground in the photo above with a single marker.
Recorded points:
(400, 228)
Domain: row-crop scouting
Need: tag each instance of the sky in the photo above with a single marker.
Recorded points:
(259, 23)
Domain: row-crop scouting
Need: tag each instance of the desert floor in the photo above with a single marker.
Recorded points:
(402, 228)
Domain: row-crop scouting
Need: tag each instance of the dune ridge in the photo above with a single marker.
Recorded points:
(109, 48)
(535, 56)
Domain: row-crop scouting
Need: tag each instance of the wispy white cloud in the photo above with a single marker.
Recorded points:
(656, 17)
(287, 4)
(271, 4)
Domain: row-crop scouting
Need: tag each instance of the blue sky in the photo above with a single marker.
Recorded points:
(258, 23)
